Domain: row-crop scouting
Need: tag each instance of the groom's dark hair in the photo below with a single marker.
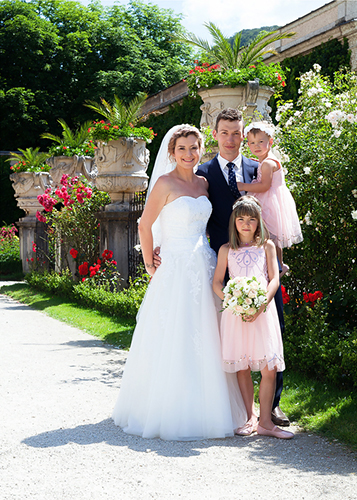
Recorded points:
(230, 114)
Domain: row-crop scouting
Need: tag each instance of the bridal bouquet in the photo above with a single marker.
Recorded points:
(244, 296)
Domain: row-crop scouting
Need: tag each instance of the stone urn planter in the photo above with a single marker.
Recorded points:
(27, 186)
(72, 166)
(253, 97)
(122, 166)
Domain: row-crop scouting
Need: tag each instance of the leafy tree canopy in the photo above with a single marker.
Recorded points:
(56, 54)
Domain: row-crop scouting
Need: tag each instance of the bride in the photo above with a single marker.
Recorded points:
(173, 386)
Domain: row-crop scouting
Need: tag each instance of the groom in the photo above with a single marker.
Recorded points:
(222, 173)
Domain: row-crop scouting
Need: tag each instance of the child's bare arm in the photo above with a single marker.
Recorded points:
(273, 273)
(268, 167)
(220, 272)
(273, 269)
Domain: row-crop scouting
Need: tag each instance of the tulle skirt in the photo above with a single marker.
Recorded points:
(173, 385)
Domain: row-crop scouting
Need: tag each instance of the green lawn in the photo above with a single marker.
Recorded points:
(315, 406)
(113, 330)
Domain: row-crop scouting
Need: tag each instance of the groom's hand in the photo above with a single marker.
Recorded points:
(156, 257)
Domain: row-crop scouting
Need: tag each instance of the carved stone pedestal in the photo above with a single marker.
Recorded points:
(114, 227)
(122, 166)
(27, 236)
(27, 186)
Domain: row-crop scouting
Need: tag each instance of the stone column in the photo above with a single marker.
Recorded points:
(27, 186)
(27, 236)
(114, 227)
(121, 173)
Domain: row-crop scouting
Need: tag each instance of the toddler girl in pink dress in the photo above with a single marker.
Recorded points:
(251, 342)
(278, 206)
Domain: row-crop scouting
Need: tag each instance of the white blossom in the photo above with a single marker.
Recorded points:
(337, 133)
(350, 118)
(307, 218)
(354, 192)
(317, 68)
(354, 214)
(307, 170)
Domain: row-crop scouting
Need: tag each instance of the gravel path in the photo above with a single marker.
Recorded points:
(58, 386)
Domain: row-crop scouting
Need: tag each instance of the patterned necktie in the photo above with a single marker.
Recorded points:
(232, 182)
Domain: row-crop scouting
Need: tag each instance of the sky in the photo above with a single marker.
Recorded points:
(232, 15)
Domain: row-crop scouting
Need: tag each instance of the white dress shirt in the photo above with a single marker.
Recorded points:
(237, 168)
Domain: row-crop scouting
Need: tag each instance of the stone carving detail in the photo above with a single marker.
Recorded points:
(72, 166)
(27, 186)
(122, 166)
(210, 113)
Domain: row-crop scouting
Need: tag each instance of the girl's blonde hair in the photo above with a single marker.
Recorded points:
(247, 205)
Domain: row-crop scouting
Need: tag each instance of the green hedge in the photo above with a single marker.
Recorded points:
(314, 348)
(124, 303)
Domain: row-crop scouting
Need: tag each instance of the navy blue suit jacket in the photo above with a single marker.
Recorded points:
(222, 198)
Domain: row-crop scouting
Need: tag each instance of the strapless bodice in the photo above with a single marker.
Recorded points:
(183, 222)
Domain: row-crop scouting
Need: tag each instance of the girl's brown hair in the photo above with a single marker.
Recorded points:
(247, 205)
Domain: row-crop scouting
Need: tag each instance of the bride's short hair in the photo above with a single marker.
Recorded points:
(184, 131)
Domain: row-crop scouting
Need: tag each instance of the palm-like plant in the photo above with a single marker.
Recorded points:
(31, 160)
(121, 119)
(118, 113)
(233, 56)
(70, 139)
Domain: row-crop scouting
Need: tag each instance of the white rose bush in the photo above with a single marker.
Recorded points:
(318, 135)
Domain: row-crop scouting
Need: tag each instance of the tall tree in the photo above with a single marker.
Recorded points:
(56, 54)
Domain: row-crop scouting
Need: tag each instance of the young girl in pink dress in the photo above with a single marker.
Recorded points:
(251, 342)
(278, 206)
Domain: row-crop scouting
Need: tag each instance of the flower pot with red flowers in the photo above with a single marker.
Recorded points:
(72, 154)
(122, 157)
(233, 76)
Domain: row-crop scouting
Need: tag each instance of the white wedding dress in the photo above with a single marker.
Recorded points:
(173, 385)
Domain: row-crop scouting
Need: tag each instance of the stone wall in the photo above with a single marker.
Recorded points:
(336, 19)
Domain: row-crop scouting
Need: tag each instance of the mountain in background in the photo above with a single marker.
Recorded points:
(249, 35)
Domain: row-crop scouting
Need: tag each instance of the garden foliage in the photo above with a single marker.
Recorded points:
(10, 262)
(55, 55)
(124, 303)
(71, 217)
(317, 138)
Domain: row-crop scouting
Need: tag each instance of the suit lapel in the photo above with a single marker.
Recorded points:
(219, 178)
